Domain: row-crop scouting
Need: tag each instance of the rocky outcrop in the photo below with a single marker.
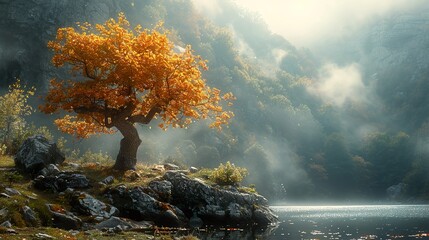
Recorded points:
(135, 204)
(178, 200)
(37, 153)
(218, 206)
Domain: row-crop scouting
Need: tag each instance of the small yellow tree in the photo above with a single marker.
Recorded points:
(13, 108)
(126, 76)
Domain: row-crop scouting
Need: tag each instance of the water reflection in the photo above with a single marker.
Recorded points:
(353, 222)
(336, 222)
(247, 233)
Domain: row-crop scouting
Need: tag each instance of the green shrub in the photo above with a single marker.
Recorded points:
(228, 174)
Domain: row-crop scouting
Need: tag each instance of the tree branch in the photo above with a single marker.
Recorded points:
(145, 119)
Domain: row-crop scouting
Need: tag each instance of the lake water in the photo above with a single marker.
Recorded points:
(338, 222)
(352, 222)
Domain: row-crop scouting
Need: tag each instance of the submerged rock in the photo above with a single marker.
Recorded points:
(36, 153)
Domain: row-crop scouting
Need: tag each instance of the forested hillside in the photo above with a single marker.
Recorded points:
(297, 137)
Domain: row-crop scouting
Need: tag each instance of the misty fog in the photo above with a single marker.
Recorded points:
(332, 99)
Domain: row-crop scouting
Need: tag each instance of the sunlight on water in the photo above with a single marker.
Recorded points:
(389, 211)
(352, 222)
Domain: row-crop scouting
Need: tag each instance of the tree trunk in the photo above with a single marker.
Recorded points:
(127, 156)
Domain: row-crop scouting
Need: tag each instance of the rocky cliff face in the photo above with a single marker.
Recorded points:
(396, 51)
(27, 25)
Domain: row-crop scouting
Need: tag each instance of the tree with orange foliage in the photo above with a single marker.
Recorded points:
(123, 76)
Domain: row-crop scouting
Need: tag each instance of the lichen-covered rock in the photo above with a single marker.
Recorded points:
(218, 206)
(86, 204)
(61, 182)
(63, 219)
(135, 204)
(160, 190)
(36, 153)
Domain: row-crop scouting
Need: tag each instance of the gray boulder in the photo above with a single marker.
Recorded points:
(135, 204)
(61, 182)
(86, 204)
(218, 206)
(36, 153)
(63, 219)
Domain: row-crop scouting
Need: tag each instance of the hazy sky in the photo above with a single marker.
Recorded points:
(305, 22)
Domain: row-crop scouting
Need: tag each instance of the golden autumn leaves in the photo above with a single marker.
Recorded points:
(124, 74)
